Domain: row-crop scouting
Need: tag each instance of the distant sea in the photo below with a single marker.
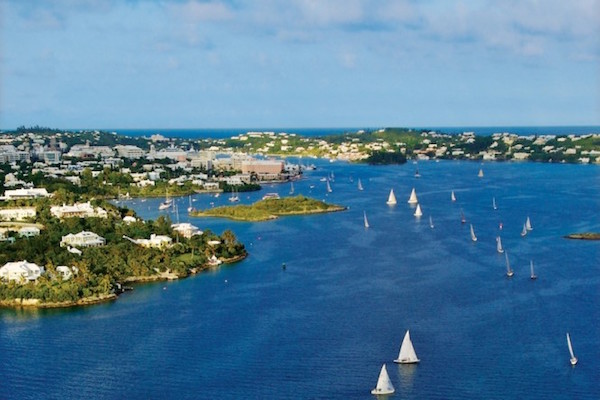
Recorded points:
(312, 132)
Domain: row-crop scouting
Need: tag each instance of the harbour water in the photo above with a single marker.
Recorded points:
(322, 328)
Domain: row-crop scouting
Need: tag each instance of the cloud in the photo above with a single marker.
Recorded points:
(200, 11)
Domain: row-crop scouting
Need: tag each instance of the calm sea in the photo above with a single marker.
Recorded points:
(322, 328)
(311, 132)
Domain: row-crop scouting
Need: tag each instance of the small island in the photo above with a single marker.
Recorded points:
(584, 236)
(269, 209)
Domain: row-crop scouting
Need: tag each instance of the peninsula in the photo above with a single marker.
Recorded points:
(268, 209)
(584, 236)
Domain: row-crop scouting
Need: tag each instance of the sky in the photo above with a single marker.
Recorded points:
(298, 63)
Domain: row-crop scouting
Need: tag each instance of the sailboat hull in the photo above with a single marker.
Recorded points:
(398, 361)
(376, 391)
(573, 361)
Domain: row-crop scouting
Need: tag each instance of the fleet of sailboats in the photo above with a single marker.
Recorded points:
(407, 353)
(391, 198)
(413, 197)
(384, 384)
(573, 359)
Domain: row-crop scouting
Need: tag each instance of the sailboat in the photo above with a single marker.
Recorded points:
(417, 174)
(473, 237)
(360, 186)
(573, 358)
(509, 271)
(494, 203)
(418, 212)
(533, 275)
(528, 225)
(480, 174)
(384, 384)
(329, 187)
(291, 187)
(391, 198)
(462, 216)
(365, 219)
(413, 197)
(524, 231)
(431, 222)
(234, 197)
(165, 205)
(499, 245)
(452, 196)
(407, 353)
(190, 208)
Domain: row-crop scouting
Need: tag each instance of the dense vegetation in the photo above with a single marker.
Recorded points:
(269, 209)
(384, 157)
(100, 268)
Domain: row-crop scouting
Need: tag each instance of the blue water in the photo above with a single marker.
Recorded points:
(312, 132)
(323, 327)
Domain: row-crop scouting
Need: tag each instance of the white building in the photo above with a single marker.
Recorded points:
(81, 210)
(129, 151)
(17, 214)
(31, 193)
(65, 272)
(82, 239)
(21, 271)
(155, 241)
(29, 231)
(186, 229)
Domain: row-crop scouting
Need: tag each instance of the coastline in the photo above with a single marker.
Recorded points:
(86, 301)
(271, 217)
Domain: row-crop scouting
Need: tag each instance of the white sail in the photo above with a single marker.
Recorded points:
(418, 212)
(462, 216)
(291, 187)
(473, 237)
(480, 174)
(533, 275)
(494, 203)
(365, 219)
(573, 358)
(499, 245)
(360, 186)
(528, 225)
(413, 197)
(407, 353)
(431, 222)
(452, 196)
(328, 187)
(524, 231)
(509, 271)
(391, 198)
(190, 208)
(384, 384)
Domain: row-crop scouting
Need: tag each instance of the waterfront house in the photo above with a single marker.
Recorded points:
(186, 229)
(155, 241)
(21, 271)
(82, 239)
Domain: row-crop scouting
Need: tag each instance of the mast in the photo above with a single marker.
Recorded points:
(573, 359)
(509, 271)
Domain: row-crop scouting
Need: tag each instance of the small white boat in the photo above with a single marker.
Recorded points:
(524, 231)
(418, 212)
(533, 275)
(407, 353)
(499, 245)
(509, 271)
(528, 225)
(365, 219)
(291, 187)
(573, 359)
(190, 208)
(494, 203)
(473, 237)
(452, 196)
(462, 216)
(413, 197)
(165, 205)
(234, 197)
(480, 174)
(417, 174)
(391, 198)
(329, 187)
(384, 384)
(431, 222)
(360, 186)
